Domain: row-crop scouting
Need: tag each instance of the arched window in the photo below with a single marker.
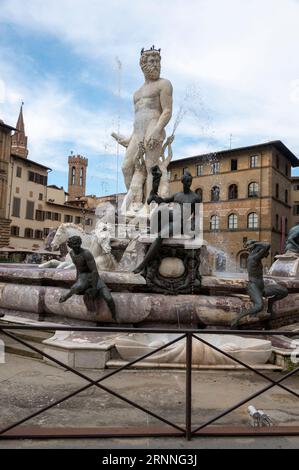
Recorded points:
(214, 223)
(253, 189)
(232, 221)
(199, 193)
(81, 176)
(243, 261)
(252, 220)
(233, 191)
(215, 193)
(73, 175)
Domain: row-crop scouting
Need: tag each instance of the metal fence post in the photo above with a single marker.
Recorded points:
(188, 385)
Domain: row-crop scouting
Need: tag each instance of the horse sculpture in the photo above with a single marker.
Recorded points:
(97, 242)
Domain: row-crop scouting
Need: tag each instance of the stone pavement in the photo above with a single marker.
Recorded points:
(27, 384)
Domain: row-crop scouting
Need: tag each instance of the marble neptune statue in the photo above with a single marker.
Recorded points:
(153, 111)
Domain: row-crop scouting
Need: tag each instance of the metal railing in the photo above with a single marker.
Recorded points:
(16, 430)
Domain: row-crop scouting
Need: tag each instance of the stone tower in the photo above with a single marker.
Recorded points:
(77, 176)
(19, 139)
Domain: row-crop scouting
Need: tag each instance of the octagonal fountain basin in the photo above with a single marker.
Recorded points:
(248, 350)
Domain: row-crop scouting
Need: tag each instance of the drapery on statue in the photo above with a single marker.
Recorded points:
(153, 111)
(88, 279)
(256, 288)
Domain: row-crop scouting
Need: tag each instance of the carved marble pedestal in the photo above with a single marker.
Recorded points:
(176, 268)
(286, 265)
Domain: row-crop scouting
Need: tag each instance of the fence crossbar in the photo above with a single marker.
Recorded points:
(247, 366)
(245, 400)
(91, 383)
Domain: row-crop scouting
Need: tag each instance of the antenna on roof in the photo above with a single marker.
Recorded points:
(230, 140)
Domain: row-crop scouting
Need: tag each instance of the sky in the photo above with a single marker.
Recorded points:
(234, 66)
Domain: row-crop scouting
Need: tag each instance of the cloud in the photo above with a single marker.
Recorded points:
(240, 57)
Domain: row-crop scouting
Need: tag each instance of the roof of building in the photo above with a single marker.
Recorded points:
(6, 126)
(69, 206)
(53, 186)
(18, 157)
(275, 143)
(20, 123)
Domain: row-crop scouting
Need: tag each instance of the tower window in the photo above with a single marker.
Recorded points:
(73, 175)
(81, 176)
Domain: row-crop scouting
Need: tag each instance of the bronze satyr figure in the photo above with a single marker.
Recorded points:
(256, 288)
(88, 279)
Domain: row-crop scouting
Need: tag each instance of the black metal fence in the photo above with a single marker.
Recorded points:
(17, 429)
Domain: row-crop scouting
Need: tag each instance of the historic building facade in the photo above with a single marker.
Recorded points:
(33, 207)
(5, 146)
(246, 194)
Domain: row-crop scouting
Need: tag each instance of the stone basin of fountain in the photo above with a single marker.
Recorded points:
(249, 350)
(219, 298)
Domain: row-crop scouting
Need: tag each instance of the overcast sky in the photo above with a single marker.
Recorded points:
(234, 66)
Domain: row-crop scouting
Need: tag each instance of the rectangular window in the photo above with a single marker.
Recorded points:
(16, 206)
(253, 161)
(37, 178)
(40, 196)
(30, 210)
(48, 215)
(39, 215)
(185, 169)
(56, 216)
(234, 165)
(215, 168)
(19, 172)
(68, 218)
(199, 170)
(296, 209)
(38, 234)
(14, 231)
(46, 231)
(296, 187)
(30, 176)
(28, 233)
(77, 220)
